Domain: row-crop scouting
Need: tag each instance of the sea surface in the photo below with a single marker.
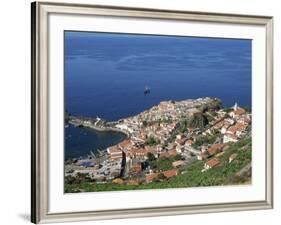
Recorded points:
(80, 142)
(105, 76)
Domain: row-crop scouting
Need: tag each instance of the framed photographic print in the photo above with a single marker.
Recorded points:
(148, 112)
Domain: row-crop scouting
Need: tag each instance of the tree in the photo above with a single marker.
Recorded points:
(152, 141)
(144, 123)
(178, 157)
(164, 163)
(161, 177)
(150, 156)
(247, 108)
(183, 126)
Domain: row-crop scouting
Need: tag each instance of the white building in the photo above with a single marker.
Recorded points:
(229, 138)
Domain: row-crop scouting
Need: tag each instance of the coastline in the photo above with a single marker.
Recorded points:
(165, 144)
(130, 129)
(99, 151)
(96, 128)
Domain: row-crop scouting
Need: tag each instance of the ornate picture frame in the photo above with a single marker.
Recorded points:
(40, 39)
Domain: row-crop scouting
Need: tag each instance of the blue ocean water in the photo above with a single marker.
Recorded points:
(105, 73)
(81, 141)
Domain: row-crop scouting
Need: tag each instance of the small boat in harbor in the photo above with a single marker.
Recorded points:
(146, 90)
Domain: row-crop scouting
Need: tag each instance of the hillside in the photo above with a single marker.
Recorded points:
(189, 176)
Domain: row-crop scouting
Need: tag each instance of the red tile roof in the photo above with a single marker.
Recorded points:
(139, 151)
(239, 111)
(150, 177)
(219, 125)
(133, 182)
(213, 162)
(163, 154)
(180, 141)
(237, 127)
(215, 148)
(151, 149)
(125, 144)
(170, 173)
(172, 152)
(137, 168)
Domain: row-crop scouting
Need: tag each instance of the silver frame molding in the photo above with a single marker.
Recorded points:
(39, 117)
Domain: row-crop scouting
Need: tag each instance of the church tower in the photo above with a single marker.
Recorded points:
(235, 107)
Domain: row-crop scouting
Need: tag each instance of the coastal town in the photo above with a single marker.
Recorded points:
(162, 143)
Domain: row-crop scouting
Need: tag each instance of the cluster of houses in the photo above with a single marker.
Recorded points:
(127, 149)
(213, 150)
(233, 125)
(136, 156)
(160, 131)
(215, 162)
(172, 111)
(161, 175)
(160, 120)
(134, 151)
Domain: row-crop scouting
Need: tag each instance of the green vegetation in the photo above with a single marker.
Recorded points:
(198, 120)
(183, 126)
(151, 141)
(207, 139)
(164, 163)
(160, 178)
(247, 108)
(80, 178)
(173, 136)
(214, 105)
(228, 110)
(145, 123)
(150, 157)
(178, 157)
(209, 117)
